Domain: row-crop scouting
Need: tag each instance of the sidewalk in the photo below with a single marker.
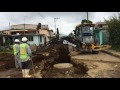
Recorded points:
(112, 52)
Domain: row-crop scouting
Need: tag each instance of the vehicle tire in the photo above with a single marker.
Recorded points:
(95, 52)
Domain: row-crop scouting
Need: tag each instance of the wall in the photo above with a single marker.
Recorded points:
(98, 36)
(44, 27)
(101, 39)
(105, 37)
(36, 40)
(21, 26)
(46, 32)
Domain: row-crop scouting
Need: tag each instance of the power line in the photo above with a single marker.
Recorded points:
(45, 19)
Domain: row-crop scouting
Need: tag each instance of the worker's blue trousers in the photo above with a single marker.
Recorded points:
(17, 62)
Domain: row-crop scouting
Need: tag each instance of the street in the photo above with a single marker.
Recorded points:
(101, 65)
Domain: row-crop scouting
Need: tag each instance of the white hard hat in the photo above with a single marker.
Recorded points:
(24, 39)
(17, 40)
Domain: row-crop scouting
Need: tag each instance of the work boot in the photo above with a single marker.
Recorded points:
(23, 72)
(27, 73)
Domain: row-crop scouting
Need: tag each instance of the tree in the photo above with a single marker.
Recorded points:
(114, 29)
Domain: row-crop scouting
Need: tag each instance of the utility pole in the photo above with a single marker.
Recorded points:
(87, 17)
(24, 22)
(55, 19)
(9, 25)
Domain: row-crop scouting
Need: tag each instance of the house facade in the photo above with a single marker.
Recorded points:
(101, 25)
(4, 39)
(34, 35)
(101, 33)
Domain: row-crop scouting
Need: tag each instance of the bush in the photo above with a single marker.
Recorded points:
(114, 30)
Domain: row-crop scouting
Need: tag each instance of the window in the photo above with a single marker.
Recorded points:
(88, 39)
(92, 30)
(30, 38)
(85, 29)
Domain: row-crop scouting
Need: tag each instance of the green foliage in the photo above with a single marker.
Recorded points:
(86, 21)
(8, 52)
(114, 30)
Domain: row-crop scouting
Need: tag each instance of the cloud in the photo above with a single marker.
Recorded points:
(66, 23)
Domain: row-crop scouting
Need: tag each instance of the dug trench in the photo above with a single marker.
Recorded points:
(7, 65)
(62, 66)
(44, 65)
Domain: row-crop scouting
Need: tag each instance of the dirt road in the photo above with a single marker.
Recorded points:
(100, 65)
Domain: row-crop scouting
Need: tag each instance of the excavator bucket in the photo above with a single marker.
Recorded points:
(101, 47)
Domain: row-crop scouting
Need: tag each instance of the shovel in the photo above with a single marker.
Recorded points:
(32, 66)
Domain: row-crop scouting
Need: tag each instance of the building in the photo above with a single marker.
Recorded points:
(101, 33)
(34, 34)
(4, 39)
(24, 26)
(101, 25)
(102, 36)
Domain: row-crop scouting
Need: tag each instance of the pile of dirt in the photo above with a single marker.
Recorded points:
(7, 60)
(39, 58)
(61, 53)
(6, 56)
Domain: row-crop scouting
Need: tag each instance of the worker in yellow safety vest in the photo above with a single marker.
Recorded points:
(25, 53)
(16, 49)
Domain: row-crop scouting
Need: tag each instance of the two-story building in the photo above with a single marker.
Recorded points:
(35, 35)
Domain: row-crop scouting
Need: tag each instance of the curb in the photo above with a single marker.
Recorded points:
(111, 53)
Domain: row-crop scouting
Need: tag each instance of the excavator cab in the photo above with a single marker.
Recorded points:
(85, 33)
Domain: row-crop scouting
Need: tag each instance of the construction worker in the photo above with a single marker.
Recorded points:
(25, 53)
(16, 50)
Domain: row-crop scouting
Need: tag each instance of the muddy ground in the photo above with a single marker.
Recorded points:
(84, 66)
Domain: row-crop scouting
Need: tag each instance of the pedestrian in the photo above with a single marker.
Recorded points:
(25, 53)
(16, 49)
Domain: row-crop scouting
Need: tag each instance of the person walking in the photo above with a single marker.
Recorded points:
(25, 53)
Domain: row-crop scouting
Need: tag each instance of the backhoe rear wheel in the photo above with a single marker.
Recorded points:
(95, 52)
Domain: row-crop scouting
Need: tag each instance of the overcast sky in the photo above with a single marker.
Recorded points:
(66, 22)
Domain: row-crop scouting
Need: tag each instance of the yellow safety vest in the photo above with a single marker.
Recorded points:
(23, 53)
